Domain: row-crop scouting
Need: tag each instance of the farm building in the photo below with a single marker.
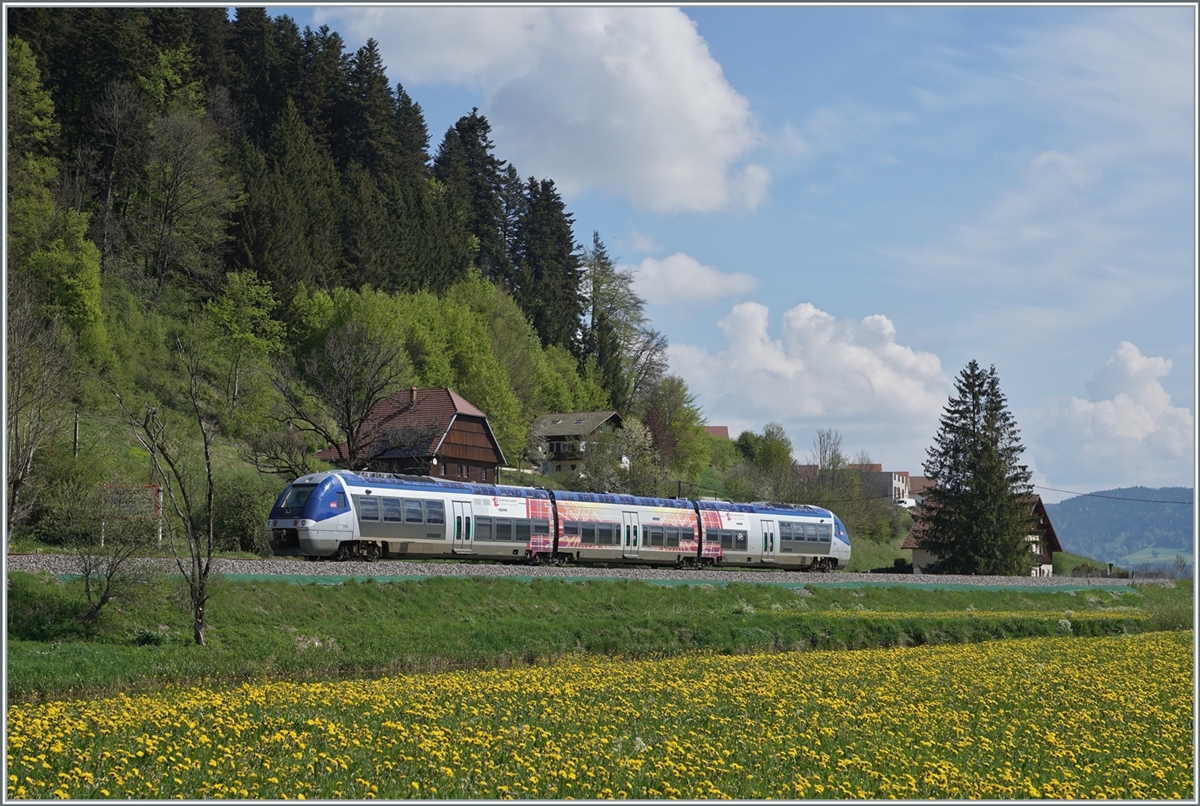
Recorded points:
(434, 432)
(1044, 545)
(566, 435)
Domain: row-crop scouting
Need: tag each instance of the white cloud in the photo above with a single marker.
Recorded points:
(822, 372)
(681, 278)
(624, 100)
(1126, 433)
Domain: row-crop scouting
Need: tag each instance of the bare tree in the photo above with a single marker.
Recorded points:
(332, 395)
(39, 386)
(190, 498)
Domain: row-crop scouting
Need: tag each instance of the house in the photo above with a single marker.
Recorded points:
(566, 435)
(1043, 544)
(876, 482)
(717, 431)
(433, 432)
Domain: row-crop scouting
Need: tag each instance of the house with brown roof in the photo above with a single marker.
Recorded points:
(1043, 543)
(717, 431)
(429, 432)
(565, 436)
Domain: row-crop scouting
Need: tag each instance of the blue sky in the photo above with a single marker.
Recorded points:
(831, 210)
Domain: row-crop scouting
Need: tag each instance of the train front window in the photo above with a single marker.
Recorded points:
(295, 499)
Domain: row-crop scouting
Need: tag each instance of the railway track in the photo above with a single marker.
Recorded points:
(66, 564)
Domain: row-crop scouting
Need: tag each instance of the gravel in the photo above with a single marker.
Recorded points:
(68, 564)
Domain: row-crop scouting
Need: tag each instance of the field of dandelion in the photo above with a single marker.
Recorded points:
(1048, 717)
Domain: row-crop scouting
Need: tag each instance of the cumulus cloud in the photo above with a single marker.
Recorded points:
(1127, 431)
(681, 278)
(821, 372)
(624, 100)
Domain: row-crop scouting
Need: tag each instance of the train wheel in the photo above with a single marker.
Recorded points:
(373, 552)
(535, 559)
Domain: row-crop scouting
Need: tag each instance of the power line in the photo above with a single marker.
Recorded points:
(1113, 497)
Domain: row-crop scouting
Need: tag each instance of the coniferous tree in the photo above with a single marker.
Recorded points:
(550, 268)
(367, 132)
(977, 514)
(472, 177)
(323, 90)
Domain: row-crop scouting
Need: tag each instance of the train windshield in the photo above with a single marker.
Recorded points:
(295, 498)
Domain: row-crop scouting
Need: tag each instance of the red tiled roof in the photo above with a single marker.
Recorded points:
(421, 408)
(718, 431)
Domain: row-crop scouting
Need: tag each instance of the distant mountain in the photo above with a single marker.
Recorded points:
(1111, 524)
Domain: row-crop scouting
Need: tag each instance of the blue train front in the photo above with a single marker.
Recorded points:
(345, 515)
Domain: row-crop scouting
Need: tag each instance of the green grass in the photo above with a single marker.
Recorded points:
(1155, 556)
(280, 629)
(867, 555)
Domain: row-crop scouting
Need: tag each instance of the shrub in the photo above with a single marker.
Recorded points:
(241, 504)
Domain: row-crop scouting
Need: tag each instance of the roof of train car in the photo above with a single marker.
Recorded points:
(429, 483)
(766, 508)
(615, 498)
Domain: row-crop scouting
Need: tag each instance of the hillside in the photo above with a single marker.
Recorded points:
(1124, 521)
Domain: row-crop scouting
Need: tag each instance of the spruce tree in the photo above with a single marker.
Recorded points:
(977, 514)
(472, 177)
(550, 268)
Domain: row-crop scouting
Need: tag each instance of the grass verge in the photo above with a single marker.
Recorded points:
(265, 630)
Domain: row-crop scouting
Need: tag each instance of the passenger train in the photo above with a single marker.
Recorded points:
(345, 515)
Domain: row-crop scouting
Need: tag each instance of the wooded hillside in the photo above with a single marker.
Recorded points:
(1114, 523)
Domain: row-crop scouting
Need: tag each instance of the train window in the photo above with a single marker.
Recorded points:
(672, 536)
(522, 535)
(726, 538)
(483, 528)
(412, 511)
(503, 529)
(570, 527)
(435, 512)
(604, 534)
(296, 497)
(826, 531)
(687, 534)
(341, 501)
(541, 527)
(785, 532)
(588, 533)
(654, 536)
(391, 509)
(368, 509)
(810, 532)
(739, 541)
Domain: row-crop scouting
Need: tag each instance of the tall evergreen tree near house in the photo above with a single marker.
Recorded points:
(977, 514)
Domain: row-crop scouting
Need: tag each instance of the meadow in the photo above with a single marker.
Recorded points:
(1044, 717)
(280, 630)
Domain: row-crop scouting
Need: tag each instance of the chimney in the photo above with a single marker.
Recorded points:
(412, 400)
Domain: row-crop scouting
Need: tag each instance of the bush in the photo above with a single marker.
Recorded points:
(241, 505)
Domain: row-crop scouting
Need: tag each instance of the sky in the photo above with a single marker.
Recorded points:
(830, 211)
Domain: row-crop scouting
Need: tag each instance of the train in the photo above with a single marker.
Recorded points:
(345, 515)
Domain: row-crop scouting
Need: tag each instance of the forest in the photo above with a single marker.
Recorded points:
(228, 238)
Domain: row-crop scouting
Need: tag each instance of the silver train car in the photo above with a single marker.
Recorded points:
(344, 515)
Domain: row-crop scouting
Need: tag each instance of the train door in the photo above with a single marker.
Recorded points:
(463, 533)
(629, 534)
(768, 541)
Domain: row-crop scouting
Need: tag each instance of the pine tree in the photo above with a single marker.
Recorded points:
(550, 268)
(472, 177)
(367, 133)
(977, 516)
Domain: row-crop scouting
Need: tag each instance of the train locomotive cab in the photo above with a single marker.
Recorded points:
(311, 518)
(839, 551)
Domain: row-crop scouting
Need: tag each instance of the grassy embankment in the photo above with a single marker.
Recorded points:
(263, 630)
